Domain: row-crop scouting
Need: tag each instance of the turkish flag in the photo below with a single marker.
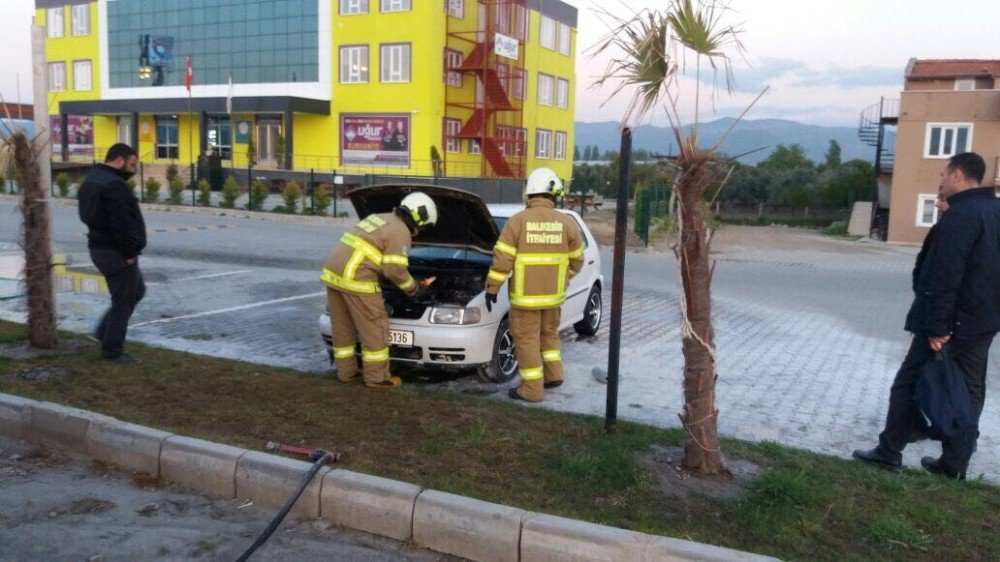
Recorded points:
(189, 75)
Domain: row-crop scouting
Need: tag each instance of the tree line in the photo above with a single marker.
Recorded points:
(786, 177)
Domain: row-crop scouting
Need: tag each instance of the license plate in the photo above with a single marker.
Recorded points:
(400, 338)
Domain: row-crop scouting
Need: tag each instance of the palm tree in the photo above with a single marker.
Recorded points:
(651, 52)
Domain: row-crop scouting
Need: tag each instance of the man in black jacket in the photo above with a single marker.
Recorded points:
(116, 237)
(957, 303)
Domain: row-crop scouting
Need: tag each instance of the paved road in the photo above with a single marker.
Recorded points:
(809, 329)
(56, 508)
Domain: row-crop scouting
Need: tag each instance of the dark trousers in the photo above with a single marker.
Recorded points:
(127, 288)
(903, 423)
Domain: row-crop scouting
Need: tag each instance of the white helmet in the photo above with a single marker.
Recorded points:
(543, 181)
(421, 208)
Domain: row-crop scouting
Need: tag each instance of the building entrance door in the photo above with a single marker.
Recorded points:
(268, 131)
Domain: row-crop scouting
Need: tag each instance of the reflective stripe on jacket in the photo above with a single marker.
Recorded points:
(378, 246)
(544, 250)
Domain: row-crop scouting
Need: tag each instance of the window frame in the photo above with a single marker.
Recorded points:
(564, 39)
(362, 7)
(547, 145)
(965, 84)
(52, 83)
(451, 144)
(90, 76)
(551, 80)
(453, 56)
(449, 8)
(475, 147)
(561, 101)
(946, 127)
(556, 136)
(922, 200)
(364, 76)
(383, 59)
(76, 10)
(53, 31)
(382, 6)
(519, 83)
(545, 43)
(157, 145)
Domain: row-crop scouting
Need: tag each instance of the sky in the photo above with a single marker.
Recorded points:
(823, 61)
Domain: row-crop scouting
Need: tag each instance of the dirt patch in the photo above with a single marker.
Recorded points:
(675, 482)
(41, 374)
(23, 351)
(602, 226)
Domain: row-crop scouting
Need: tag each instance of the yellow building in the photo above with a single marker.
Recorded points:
(402, 87)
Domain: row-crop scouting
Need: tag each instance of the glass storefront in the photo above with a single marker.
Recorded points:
(255, 41)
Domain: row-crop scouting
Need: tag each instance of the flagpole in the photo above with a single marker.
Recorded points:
(187, 82)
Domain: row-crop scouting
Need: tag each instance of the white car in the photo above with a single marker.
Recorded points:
(450, 328)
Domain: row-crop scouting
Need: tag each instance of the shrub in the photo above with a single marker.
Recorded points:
(172, 172)
(63, 181)
(152, 190)
(258, 193)
(321, 200)
(131, 184)
(176, 188)
(230, 191)
(291, 195)
(204, 193)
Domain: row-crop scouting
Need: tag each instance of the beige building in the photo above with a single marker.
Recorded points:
(946, 107)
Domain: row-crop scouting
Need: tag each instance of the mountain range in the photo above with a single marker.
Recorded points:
(753, 139)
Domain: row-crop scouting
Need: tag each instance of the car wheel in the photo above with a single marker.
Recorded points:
(593, 313)
(503, 367)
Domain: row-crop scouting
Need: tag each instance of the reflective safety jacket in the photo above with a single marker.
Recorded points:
(378, 246)
(544, 250)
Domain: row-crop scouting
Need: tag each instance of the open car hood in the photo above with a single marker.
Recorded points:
(463, 219)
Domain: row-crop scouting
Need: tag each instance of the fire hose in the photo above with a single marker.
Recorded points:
(319, 458)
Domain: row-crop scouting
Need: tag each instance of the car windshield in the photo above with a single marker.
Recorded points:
(431, 253)
(500, 221)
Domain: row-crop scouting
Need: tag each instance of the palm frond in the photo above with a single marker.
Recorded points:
(699, 28)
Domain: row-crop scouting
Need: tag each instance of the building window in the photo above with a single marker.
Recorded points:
(353, 7)
(543, 143)
(54, 24)
(124, 130)
(545, 86)
(503, 16)
(220, 137)
(82, 77)
(81, 19)
(474, 147)
(395, 61)
(456, 8)
(560, 142)
(547, 33)
(562, 93)
(452, 59)
(518, 86)
(564, 39)
(927, 213)
(166, 137)
(57, 77)
(965, 84)
(451, 128)
(354, 64)
(945, 140)
(521, 142)
(521, 22)
(395, 5)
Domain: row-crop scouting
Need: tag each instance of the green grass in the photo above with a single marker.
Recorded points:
(805, 506)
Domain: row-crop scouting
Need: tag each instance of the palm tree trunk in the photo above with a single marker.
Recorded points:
(699, 417)
(37, 245)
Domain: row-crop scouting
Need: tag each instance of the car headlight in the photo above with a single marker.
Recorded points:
(455, 315)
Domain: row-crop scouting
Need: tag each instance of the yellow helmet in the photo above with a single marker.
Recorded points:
(421, 208)
(543, 181)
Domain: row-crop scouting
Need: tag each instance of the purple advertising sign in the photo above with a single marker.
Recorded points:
(81, 135)
(375, 139)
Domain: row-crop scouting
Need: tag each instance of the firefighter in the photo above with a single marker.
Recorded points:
(544, 249)
(377, 247)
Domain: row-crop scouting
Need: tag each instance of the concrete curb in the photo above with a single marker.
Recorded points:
(216, 212)
(444, 522)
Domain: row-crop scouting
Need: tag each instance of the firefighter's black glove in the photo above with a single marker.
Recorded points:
(421, 292)
(490, 301)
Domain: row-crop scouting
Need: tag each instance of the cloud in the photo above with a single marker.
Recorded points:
(843, 77)
(791, 73)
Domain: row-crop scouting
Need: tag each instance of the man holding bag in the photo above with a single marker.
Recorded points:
(957, 304)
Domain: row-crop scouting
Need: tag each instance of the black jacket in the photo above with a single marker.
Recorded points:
(922, 256)
(958, 286)
(111, 213)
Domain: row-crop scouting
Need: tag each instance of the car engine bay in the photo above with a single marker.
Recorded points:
(456, 283)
